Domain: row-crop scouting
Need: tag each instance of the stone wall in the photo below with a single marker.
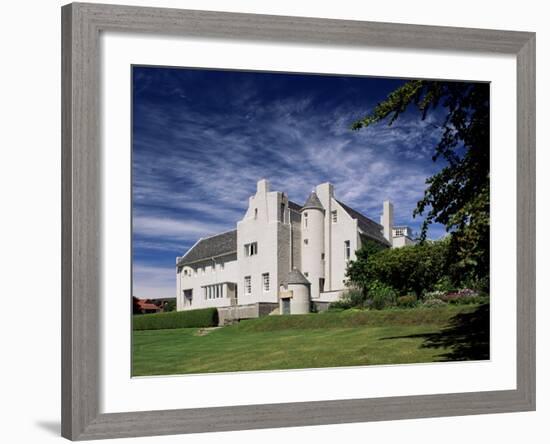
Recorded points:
(228, 315)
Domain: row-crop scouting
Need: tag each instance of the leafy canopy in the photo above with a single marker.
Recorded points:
(458, 195)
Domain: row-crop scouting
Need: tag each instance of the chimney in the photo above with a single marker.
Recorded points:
(262, 186)
(387, 220)
(325, 192)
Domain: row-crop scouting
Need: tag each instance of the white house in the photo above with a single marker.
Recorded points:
(282, 257)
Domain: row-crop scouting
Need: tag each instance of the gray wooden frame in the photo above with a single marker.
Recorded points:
(81, 167)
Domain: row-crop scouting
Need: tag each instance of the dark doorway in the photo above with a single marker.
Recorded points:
(286, 306)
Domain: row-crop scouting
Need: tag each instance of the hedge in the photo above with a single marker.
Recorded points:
(206, 317)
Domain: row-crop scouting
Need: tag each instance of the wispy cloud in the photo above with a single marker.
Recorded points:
(201, 140)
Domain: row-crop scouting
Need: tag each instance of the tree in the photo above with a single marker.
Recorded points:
(410, 269)
(458, 195)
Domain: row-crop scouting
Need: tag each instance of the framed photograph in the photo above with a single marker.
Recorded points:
(278, 221)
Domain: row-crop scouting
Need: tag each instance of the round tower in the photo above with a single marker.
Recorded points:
(296, 299)
(313, 243)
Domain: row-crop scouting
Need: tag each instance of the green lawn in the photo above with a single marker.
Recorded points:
(301, 341)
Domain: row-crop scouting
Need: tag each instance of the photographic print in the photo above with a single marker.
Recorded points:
(290, 221)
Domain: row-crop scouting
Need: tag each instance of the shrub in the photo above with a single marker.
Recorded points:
(462, 296)
(433, 303)
(413, 268)
(380, 295)
(406, 301)
(206, 317)
(444, 285)
(437, 294)
(350, 298)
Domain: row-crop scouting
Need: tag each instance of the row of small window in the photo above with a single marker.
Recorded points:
(333, 217)
(213, 291)
(202, 270)
(248, 283)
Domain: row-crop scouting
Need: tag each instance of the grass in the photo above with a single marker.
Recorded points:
(345, 338)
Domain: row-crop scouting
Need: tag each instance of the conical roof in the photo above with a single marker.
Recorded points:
(296, 277)
(313, 202)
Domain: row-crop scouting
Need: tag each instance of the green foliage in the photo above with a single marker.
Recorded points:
(206, 317)
(410, 269)
(170, 305)
(458, 195)
(430, 303)
(380, 295)
(408, 301)
(444, 284)
(350, 298)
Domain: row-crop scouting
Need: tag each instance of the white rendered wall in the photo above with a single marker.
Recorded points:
(197, 279)
(300, 300)
(387, 220)
(345, 229)
(313, 267)
(401, 241)
(261, 225)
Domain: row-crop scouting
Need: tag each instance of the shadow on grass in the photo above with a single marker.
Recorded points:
(466, 338)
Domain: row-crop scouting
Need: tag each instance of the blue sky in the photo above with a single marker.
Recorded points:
(202, 139)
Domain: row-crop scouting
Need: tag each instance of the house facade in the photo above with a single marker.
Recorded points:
(281, 257)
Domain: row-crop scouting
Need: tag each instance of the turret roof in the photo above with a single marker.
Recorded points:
(296, 277)
(313, 202)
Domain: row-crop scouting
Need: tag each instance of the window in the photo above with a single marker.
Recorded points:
(305, 220)
(213, 291)
(251, 249)
(265, 280)
(255, 213)
(306, 274)
(247, 285)
(306, 241)
(283, 212)
(188, 297)
(322, 256)
(334, 216)
(347, 249)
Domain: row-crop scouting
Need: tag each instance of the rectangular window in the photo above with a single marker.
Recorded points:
(347, 249)
(334, 216)
(265, 280)
(306, 241)
(247, 285)
(283, 212)
(305, 220)
(251, 249)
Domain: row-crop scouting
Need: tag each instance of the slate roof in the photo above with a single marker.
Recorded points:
(294, 206)
(369, 227)
(296, 277)
(313, 202)
(212, 246)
